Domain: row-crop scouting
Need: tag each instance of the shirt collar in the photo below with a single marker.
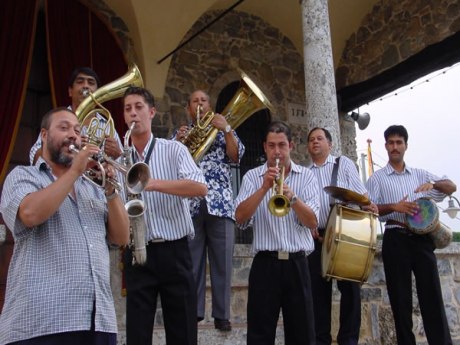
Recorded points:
(390, 170)
(329, 160)
(294, 168)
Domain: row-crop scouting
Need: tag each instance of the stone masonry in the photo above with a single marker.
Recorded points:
(377, 326)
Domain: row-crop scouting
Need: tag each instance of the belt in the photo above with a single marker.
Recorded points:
(156, 240)
(281, 255)
(162, 240)
(400, 227)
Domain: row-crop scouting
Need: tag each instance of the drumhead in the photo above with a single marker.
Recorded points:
(426, 219)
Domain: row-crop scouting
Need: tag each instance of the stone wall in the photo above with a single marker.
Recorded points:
(376, 321)
(392, 32)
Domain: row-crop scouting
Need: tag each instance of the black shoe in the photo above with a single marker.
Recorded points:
(199, 318)
(222, 325)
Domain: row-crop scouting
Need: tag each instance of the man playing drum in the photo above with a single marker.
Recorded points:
(319, 148)
(395, 189)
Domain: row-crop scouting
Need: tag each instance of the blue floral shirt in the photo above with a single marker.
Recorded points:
(216, 169)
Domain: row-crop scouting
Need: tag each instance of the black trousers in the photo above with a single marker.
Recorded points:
(350, 304)
(276, 285)
(168, 273)
(402, 254)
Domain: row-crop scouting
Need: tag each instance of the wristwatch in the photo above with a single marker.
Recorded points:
(432, 182)
(227, 129)
(293, 199)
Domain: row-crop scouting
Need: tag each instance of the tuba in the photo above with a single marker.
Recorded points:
(247, 100)
(279, 205)
(87, 112)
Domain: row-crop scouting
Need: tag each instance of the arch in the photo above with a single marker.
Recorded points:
(395, 44)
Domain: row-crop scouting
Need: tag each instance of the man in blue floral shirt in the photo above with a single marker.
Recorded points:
(213, 216)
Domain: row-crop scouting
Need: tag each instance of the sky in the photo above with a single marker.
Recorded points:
(429, 108)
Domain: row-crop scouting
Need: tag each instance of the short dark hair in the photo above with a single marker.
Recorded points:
(146, 94)
(46, 120)
(279, 127)
(327, 134)
(396, 130)
(86, 71)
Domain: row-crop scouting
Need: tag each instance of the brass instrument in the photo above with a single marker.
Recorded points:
(135, 207)
(136, 175)
(279, 205)
(247, 100)
(87, 114)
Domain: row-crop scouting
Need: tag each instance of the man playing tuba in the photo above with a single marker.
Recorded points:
(81, 81)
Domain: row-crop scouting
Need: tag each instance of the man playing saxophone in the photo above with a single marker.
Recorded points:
(168, 269)
(213, 216)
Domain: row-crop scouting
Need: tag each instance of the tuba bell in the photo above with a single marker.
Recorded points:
(87, 111)
(247, 100)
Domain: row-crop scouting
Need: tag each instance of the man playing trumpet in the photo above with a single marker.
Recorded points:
(58, 289)
(279, 276)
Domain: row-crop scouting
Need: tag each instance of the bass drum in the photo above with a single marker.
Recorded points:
(349, 244)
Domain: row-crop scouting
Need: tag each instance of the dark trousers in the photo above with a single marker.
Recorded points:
(350, 304)
(214, 238)
(72, 338)
(168, 273)
(280, 284)
(402, 254)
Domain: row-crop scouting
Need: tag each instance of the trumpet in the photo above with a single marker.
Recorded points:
(279, 205)
(137, 175)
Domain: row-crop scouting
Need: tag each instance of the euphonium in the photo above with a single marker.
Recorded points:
(279, 205)
(247, 100)
(135, 207)
(87, 114)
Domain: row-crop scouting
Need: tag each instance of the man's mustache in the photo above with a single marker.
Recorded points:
(395, 151)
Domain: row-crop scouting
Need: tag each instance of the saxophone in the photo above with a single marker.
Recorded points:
(134, 205)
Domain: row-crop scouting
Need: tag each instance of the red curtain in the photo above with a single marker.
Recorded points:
(76, 37)
(17, 32)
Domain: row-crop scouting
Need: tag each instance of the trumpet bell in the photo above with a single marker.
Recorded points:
(279, 205)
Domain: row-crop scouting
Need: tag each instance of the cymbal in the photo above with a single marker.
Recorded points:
(347, 195)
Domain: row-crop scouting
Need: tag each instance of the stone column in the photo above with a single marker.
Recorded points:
(320, 88)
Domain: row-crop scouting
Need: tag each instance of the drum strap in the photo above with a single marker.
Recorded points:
(335, 171)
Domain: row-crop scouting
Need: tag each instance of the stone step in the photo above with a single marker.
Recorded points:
(208, 335)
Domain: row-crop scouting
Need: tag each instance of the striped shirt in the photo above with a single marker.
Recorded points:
(387, 186)
(281, 233)
(59, 268)
(347, 177)
(168, 216)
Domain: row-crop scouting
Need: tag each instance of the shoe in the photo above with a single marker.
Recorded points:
(199, 318)
(222, 325)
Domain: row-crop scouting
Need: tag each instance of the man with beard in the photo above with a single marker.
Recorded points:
(395, 189)
(81, 81)
(58, 288)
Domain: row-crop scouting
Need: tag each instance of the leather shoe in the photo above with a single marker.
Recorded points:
(222, 325)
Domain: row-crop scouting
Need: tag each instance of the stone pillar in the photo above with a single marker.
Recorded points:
(321, 99)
